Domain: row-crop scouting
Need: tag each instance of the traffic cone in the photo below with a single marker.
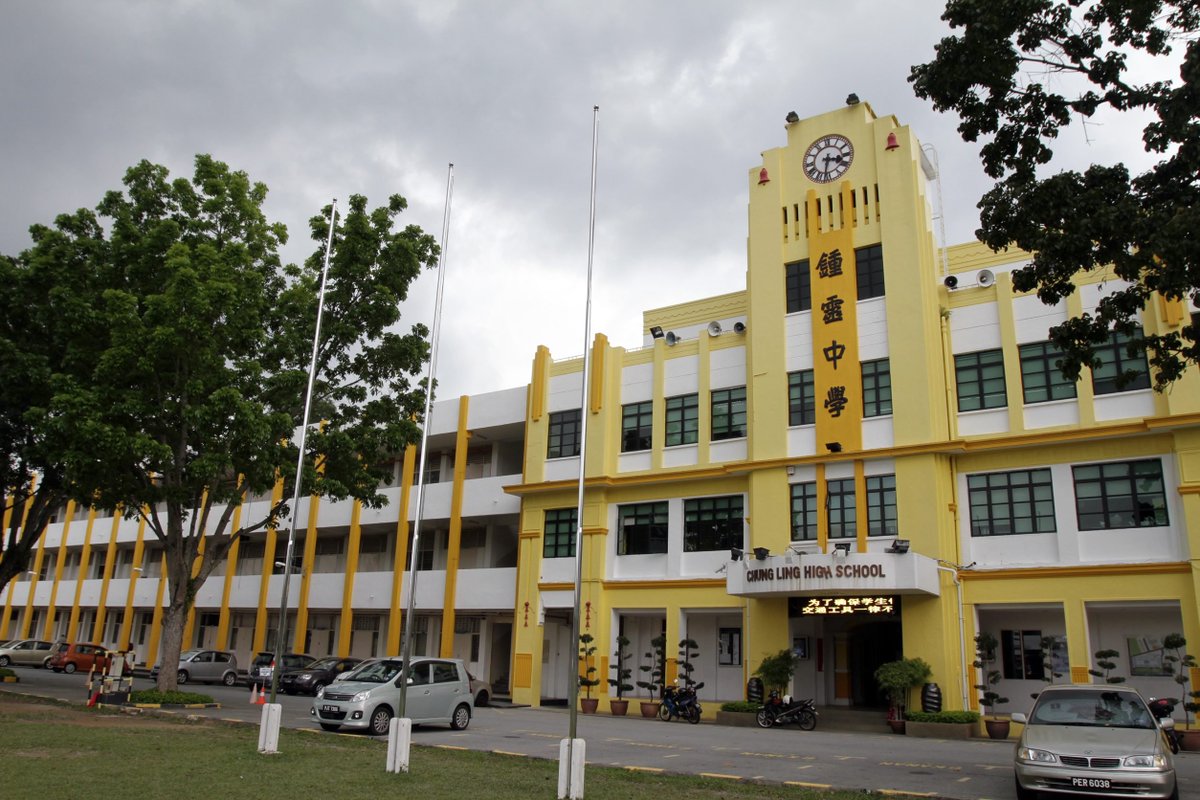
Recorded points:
(262, 697)
(254, 695)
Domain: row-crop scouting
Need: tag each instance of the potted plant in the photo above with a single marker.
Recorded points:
(989, 698)
(1049, 645)
(776, 670)
(619, 705)
(687, 651)
(587, 704)
(1181, 664)
(1104, 660)
(897, 679)
(656, 674)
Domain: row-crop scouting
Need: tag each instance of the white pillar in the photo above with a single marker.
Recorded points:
(268, 728)
(399, 742)
(570, 770)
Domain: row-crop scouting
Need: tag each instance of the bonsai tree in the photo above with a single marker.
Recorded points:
(1181, 664)
(687, 651)
(656, 670)
(1104, 660)
(623, 673)
(586, 651)
(776, 670)
(1049, 644)
(898, 678)
(985, 657)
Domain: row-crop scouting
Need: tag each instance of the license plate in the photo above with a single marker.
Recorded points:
(264, 671)
(332, 709)
(1091, 783)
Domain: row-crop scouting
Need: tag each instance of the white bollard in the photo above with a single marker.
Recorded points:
(268, 728)
(570, 775)
(399, 741)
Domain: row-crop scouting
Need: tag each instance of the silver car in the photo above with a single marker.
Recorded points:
(1093, 740)
(438, 691)
(26, 652)
(204, 666)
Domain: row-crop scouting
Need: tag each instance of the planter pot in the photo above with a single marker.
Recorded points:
(996, 728)
(618, 707)
(897, 725)
(940, 730)
(588, 705)
(738, 719)
(650, 708)
(1189, 739)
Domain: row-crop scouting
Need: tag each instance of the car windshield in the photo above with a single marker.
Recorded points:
(379, 672)
(1092, 709)
(188, 655)
(324, 663)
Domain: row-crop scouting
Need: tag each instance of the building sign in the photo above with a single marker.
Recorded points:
(827, 606)
(837, 376)
(823, 576)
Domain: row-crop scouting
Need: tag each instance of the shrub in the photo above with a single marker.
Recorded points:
(171, 698)
(776, 671)
(741, 707)
(5, 672)
(623, 673)
(898, 678)
(586, 651)
(656, 670)
(942, 716)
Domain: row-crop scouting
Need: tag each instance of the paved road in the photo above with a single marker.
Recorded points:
(978, 769)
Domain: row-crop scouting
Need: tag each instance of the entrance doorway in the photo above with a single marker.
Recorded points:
(872, 644)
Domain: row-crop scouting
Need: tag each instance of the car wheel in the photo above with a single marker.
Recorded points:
(481, 699)
(5, 661)
(381, 721)
(69, 668)
(764, 718)
(317, 687)
(807, 720)
(461, 718)
(182, 677)
(229, 678)
(329, 726)
(46, 662)
(1023, 793)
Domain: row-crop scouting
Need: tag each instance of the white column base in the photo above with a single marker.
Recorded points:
(399, 744)
(570, 769)
(268, 728)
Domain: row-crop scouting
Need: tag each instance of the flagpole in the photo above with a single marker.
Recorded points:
(435, 335)
(573, 785)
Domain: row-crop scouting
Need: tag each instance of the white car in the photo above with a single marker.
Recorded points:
(439, 691)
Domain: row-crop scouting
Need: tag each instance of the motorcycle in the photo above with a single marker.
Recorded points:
(680, 703)
(783, 710)
(1162, 708)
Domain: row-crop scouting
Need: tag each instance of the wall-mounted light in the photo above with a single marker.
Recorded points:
(852, 99)
(793, 117)
(833, 447)
(898, 546)
(656, 332)
(761, 553)
(735, 554)
(841, 549)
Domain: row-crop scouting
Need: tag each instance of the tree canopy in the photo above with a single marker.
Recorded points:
(1017, 74)
(182, 385)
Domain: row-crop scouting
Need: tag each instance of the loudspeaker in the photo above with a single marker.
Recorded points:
(714, 328)
(671, 338)
(985, 277)
(739, 327)
(951, 282)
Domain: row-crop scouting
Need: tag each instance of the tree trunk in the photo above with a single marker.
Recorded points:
(170, 645)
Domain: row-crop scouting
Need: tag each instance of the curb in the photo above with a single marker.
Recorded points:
(167, 705)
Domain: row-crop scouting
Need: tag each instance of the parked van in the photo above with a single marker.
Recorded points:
(78, 655)
(439, 690)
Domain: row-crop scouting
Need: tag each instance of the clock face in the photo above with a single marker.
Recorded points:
(828, 158)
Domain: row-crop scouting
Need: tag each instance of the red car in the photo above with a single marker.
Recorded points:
(79, 655)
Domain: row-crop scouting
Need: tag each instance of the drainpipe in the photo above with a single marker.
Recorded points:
(952, 569)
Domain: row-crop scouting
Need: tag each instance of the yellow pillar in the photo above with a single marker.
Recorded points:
(231, 558)
(156, 620)
(191, 615)
(38, 558)
(139, 550)
(260, 616)
(453, 548)
(84, 557)
(1079, 651)
(110, 557)
(395, 618)
(300, 635)
(346, 628)
(48, 628)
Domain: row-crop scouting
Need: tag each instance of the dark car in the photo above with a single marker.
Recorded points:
(263, 665)
(314, 677)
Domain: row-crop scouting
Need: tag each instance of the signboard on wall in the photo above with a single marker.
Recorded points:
(826, 575)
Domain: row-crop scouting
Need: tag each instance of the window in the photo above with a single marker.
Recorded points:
(642, 529)
(1011, 502)
(729, 413)
(868, 268)
(1041, 378)
(840, 504)
(558, 540)
(683, 419)
(881, 505)
(637, 421)
(1119, 371)
(877, 388)
(797, 286)
(1021, 655)
(804, 512)
(802, 403)
(564, 434)
(1123, 494)
(980, 378)
(712, 523)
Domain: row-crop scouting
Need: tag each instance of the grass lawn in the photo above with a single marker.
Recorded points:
(56, 750)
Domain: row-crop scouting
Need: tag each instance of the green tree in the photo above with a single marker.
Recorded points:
(1016, 75)
(200, 339)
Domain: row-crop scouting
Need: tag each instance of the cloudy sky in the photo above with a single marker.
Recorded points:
(325, 99)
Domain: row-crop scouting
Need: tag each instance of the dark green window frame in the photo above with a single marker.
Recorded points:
(558, 539)
(637, 426)
(840, 504)
(868, 270)
(804, 512)
(642, 529)
(797, 286)
(877, 388)
(802, 398)
(563, 439)
(980, 380)
(713, 523)
(881, 506)
(1041, 377)
(1011, 503)
(682, 419)
(1119, 370)
(729, 413)
(1120, 494)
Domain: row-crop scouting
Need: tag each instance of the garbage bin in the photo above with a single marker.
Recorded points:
(754, 690)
